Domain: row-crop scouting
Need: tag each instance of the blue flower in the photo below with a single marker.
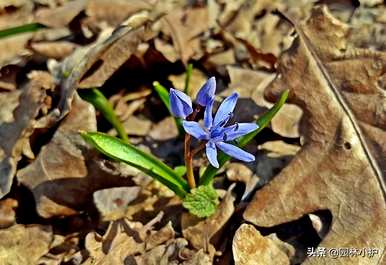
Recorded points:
(180, 103)
(206, 93)
(216, 133)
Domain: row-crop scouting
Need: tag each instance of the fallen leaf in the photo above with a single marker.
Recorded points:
(112, 203)
(21, 244)
(114, 12)
(60, 16)
(16, 127)
(249, 247)
(7, 212)
(67, 171)
(342, 162)
(55, 49)
(184, 26)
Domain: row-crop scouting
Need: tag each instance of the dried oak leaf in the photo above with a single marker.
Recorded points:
(67, 171)
(341, 166)
(249, 247)
(21, 244)
(18, 110)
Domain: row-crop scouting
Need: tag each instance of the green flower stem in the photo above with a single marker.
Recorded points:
(189, 70)
(100, 102)
(20, 29)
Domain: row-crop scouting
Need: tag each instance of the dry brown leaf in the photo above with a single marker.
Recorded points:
(91, 66)
(15, 13)
(16, 127)
(249, 247)
(114, 12)
(60, 161)
(341, 166)
(112, 203)
(185, 25)
(56, 49)
(16, 49)
(21, 244)
(103, 60)
(113, 248)
(7, 212)
(60, 16)
(67, 170)
(164, 130)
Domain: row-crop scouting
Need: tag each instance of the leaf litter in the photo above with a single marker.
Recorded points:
(323, 154)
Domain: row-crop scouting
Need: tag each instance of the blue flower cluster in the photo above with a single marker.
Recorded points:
(215, 130)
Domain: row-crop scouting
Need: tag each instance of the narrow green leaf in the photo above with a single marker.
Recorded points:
(164, 96)
(100, 102)
(263, 121)
(20, 29)
(202, 201)
(125, 152)
(188, 75)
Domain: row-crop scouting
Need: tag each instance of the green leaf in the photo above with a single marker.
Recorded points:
(180, 170)
(201, 201)
(20, 29)
(147, 163)
(263, 121)
(164, 96)
(100, 102)
(188, 75)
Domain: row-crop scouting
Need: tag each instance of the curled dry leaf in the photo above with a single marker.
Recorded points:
(21, 244)
(16, 125)
(112, 203)
(249, 247)
(341, 166)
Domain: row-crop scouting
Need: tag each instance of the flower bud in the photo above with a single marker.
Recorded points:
(180, 103)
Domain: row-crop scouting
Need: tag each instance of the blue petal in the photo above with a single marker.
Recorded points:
(180, 103)
(226, 109)
(211, 154)
(235, 152)
(206, 92)
(238, 130)
(193, 128)
(208, 119)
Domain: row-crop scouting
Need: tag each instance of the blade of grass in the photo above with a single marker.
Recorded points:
(100, 102)
(263, 121)
(188, 75)
(164, 96)
(20, 29)
(117, 149)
